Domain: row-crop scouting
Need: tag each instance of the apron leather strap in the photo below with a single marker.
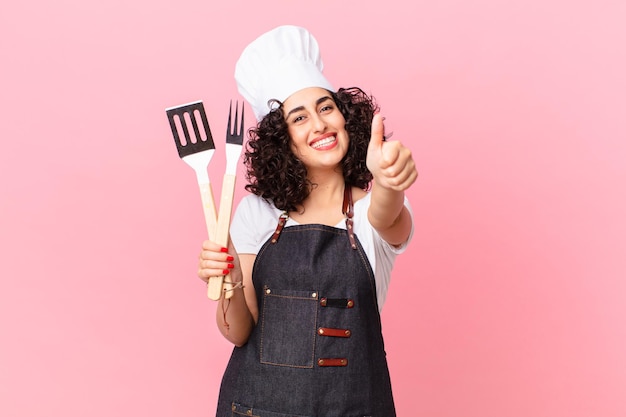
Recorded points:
(348, 211)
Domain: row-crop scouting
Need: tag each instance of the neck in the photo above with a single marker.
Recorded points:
(327, 185)
(326, 194)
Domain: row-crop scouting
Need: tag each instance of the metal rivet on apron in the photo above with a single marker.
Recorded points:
(347, 332)
(314, 295)
(350, 303)
(267, 291)
(320, 331)
(320, 362)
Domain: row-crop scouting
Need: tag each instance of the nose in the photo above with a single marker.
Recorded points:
(319, 124)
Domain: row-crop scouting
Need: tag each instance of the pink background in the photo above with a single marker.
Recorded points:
(511, 299)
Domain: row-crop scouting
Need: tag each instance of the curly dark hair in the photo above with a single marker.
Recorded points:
(273, 171)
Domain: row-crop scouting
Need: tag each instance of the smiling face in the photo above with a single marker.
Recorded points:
(316, 128)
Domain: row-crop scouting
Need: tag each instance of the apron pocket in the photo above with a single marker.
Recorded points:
(288, 323)
(241, 410)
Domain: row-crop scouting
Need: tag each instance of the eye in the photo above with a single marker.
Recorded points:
(298, 118)
(326, 109)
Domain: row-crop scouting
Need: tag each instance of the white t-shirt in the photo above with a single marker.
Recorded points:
(255, 220)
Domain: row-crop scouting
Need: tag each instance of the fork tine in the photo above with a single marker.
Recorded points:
(230, 112)
(234, 131)
(241, 125)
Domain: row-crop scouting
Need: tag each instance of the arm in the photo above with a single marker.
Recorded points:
(394, 171)
(237, 316)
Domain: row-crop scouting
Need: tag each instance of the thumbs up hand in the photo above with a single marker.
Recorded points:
(391, 163)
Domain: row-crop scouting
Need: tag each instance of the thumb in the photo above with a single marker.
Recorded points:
(375, 147)
(378, 131)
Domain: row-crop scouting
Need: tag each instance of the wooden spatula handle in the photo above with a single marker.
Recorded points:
(210, 217)
(226, 207)
(214, 289)
(210, 213)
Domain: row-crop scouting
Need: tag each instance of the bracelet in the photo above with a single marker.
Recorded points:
(234, 286)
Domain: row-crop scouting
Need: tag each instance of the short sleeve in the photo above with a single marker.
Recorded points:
(381, 254)
(253, 223)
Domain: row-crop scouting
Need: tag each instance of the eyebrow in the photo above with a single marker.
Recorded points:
(300, 108)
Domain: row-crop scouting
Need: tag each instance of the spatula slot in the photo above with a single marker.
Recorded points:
(200, 133)
(178, 131)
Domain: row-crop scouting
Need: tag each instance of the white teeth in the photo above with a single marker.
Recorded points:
(323, 142)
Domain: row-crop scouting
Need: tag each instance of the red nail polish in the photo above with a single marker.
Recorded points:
(225, 250)
(231, 266)
(226, 272)
(230, 258)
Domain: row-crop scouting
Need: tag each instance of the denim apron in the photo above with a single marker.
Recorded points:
(317, 349)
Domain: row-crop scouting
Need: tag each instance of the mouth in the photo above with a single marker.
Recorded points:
(324, 142)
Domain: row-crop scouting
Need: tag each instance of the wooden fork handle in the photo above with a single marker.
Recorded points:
(216, 285)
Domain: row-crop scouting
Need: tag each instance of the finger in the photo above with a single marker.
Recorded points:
(216, 264)
(214, 268)
(211, 250)
(403, 166)
(404, 180)
(390, 154)
(408, 181)
(211, 246)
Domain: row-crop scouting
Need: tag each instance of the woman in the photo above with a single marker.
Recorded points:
(311, 249)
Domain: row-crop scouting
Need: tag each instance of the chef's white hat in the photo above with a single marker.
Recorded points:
(276, 65)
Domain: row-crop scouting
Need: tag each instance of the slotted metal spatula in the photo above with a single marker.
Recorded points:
(195, 147)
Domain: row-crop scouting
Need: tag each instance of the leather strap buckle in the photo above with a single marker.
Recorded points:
(327, 331)
(332, 362)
